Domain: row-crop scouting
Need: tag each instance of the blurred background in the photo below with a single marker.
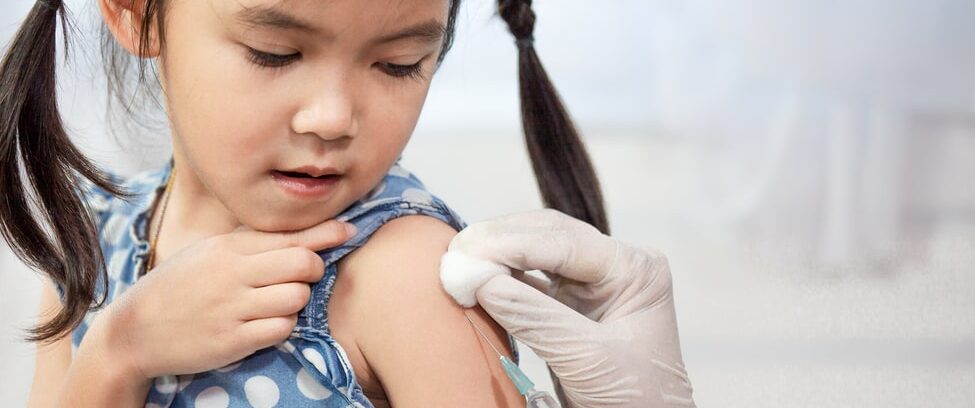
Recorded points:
(806, 166)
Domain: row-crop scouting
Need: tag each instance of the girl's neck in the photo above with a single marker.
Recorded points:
(192, 214)
(194, 208)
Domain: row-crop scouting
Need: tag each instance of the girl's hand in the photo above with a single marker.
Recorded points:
(217, 301)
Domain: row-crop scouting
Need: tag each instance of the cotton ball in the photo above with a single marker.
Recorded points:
(461, 275)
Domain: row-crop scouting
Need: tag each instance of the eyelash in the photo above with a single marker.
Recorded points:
(276, 61)
(407, 71)
(268, 60)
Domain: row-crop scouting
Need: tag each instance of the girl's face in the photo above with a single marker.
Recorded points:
(340, 93)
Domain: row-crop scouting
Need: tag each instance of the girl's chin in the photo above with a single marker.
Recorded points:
(289, 218)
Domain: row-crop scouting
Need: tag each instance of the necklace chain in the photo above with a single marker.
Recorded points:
(162, 214)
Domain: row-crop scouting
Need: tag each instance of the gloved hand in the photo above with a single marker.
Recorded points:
(605, 322)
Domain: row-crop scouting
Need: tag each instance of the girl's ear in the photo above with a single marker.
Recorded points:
(124, 20)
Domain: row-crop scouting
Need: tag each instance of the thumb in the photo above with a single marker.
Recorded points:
(548, 327)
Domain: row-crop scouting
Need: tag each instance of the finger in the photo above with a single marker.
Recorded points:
(261, 333)
(538, 321)
(538, 280)
(324, 235)
(547, 240)
(295, 264)
(282, 299)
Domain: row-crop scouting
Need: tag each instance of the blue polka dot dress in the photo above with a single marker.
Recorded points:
(309, 369)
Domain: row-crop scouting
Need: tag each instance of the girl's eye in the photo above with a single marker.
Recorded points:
(268, 60)
(405, 71)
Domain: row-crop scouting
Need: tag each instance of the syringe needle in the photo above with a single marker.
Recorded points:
(478, 329)
(535, 399)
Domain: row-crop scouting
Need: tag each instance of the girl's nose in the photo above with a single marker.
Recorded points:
(328, 114)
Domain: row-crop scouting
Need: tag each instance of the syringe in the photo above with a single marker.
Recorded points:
(535, 399)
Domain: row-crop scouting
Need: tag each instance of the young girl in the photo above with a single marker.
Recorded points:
(288, 118)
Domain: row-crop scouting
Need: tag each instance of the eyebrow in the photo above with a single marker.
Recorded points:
(264, 16)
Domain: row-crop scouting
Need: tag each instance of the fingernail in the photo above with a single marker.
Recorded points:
(350, 228)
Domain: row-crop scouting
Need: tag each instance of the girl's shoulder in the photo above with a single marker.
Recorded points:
(400, 187)
(109, 210)
(400, 193)
(388, 306)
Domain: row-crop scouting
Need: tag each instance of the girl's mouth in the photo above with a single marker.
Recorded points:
(302, 175)
(304, 185)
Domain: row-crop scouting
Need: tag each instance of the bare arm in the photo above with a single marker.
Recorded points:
(92, 379)
(416, 339)
(52, 360)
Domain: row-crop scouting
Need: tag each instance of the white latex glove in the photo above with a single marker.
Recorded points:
(605, 324)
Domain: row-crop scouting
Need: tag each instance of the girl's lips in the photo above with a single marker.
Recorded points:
(306, 187)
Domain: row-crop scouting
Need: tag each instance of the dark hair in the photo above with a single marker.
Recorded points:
(32, 136)
(33, 142)
(563, 170)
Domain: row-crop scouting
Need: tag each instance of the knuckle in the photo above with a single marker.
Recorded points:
(653, 266)
(552, 215)
(661, 271)
(550, 212)
(656, 258)
(226, 332)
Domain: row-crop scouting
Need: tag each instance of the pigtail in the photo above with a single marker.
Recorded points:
(33, 143)
(562, 167)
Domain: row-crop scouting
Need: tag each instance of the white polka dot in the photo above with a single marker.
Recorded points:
(114, 228)
(310, 387)
(213, 397)
(261, 391)
(185, 380)
(117, 261)
(417, 195)
(165, 384)
(230, 367)
(315, 358)
(286, 346)
(398, 170)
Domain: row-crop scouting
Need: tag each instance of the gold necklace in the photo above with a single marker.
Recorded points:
(162, 214)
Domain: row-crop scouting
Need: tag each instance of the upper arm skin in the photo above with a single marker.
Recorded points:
(52, 360)
(415, 338)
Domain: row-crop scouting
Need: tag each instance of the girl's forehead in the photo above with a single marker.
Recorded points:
(330, 18)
